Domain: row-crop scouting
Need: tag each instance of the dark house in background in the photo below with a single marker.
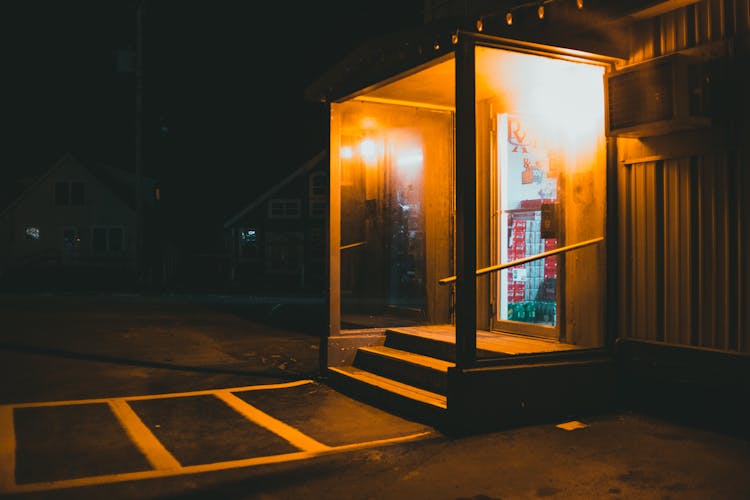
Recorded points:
(596, 150)
(277, 242)
(75, 225)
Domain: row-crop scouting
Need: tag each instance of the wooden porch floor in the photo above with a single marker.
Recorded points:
(495, 342)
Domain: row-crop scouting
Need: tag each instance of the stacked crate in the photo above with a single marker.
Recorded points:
(517, 250)
(550, 263)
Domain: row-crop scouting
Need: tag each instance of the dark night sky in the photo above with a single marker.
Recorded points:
(224, 78)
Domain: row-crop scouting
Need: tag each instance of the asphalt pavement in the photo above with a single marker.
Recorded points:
(211, 396)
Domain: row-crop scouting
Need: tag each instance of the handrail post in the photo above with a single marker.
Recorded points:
(466, 196)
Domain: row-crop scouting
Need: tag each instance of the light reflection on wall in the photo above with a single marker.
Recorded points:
(405, 148)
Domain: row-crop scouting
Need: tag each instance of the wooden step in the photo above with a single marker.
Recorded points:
(400, 398)
(411, 368)
(429, 345)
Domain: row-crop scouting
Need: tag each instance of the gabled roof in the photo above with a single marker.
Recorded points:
(304, 168)
(116, 180)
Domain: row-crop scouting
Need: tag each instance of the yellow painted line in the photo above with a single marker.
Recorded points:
(217, 466)
(7, 449)
(295, 437)
(160, 396)
(157, 455)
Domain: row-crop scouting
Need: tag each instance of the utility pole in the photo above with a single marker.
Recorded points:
(139, 138)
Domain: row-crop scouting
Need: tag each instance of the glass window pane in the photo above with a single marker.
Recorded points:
(395, 163)
(548, 164)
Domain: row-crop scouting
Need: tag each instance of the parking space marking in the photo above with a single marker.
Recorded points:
(163, 462)
(213, 467)
(295, 437)
(155, 452)
(206, 392)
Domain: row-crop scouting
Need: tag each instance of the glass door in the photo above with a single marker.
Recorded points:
(529, 167)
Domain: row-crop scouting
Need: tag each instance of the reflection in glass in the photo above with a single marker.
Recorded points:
(396, 197)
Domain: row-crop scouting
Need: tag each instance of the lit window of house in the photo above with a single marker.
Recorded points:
(32, 233)
(69, 193)
(248, 243)
(107, 240)
(282, 208)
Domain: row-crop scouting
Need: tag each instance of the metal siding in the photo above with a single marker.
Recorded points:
(706, 274)
(691, 229)
(714, 216)
(677, 238)
(716, 17)
(668, 33)
(743, 251)
(702, 22)
(743, 16)
(651, 251)
(624, 252)
(643, 239)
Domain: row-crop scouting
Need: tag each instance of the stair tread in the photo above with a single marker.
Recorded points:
(497, 343)
(394, 386)
(411, 357)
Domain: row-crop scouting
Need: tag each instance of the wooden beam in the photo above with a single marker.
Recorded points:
(466, 203)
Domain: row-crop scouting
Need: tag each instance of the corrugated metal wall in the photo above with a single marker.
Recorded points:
(685, 251)
(696, 24)
(684, 223)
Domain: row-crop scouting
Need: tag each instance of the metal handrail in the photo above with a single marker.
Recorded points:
(353, 245)
(517, 262)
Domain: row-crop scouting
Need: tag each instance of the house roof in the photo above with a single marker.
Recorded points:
(302, 169)
(116, 180)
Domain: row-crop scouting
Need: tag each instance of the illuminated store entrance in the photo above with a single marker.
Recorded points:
(467, 222)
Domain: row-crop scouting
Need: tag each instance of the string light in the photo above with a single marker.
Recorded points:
(540, 11)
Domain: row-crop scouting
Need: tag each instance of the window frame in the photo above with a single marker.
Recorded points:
(67, 187)
(285, 203)
(108, 250)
